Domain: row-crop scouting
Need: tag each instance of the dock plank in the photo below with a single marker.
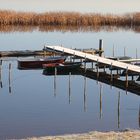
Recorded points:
(96, 58)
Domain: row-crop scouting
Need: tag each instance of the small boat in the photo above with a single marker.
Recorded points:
(61, 67)
(37, 63)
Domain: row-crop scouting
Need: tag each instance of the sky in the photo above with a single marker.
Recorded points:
(97, 6)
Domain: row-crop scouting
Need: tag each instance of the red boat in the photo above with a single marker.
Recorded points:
(37, 63)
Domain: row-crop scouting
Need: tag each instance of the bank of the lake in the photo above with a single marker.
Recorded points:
(95, 135)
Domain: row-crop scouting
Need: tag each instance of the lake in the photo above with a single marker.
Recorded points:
(34, 108)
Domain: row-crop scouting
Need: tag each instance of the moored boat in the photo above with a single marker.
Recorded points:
(37, 63)
(67, 67)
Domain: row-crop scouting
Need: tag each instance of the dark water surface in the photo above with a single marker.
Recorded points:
(34, 108)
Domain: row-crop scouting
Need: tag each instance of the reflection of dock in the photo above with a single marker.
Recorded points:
(104, 78)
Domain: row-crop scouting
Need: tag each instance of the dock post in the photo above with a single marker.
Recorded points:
(55, 73)
(100, 47)
(44, 51)
(69, 87)
(85, 64)
(111, 76)
(126, 77)
(97, 67)
(136, 53)
(119, 109)
(124, 51)
(73, 57)
(92, 65)
(10, 66)
(1, 73)
(113, 53)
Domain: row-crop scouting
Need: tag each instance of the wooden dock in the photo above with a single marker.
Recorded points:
(95, 58)
(24, 53)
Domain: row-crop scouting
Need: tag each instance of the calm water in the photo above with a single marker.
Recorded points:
(33, 109)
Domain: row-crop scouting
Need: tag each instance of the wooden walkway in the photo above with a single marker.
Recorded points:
(95, 58)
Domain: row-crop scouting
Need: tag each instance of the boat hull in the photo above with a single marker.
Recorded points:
(38, 64)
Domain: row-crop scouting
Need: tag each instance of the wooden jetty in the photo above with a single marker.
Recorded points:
(24, 53)
(95, 58)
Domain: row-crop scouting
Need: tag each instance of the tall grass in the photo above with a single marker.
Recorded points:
(68, 19)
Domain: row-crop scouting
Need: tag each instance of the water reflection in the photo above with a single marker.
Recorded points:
(20, 28)
(139, 116)
(119, 109)
(101, 113)
(55, 73)
(102, 77)
(1, 74)
(10, 68)
(85, 105)
(94, 106)
(69, 87)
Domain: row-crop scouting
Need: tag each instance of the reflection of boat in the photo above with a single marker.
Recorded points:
(38, 62)
(62, 67)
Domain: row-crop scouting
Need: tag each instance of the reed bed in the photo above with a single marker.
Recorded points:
(68, 19)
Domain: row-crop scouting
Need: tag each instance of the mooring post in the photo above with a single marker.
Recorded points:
(113, 53)
(117, 71)
(97, 67)
(53, 51)
(136, 53)
(55, 73)
(104, 69)
(111, 76)
(92, 65)
(10, 66)
(124, 51)
(100, 47)
(132, 77)
(73, 56)
(119, 109)
(85, 64)
(1, 73)
(44, 51)
(69, 87)
(127, 77)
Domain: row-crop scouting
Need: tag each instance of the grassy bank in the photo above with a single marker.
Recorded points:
(68, 19)
(125, 135)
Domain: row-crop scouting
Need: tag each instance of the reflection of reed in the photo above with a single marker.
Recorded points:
(52, 28)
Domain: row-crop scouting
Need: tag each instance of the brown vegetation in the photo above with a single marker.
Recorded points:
(68, 19)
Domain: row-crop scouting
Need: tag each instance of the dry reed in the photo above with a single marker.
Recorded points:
(68, 19)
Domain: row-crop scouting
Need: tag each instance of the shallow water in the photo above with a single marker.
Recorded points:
(35, 108)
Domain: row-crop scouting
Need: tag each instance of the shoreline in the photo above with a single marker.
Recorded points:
(94, 135)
